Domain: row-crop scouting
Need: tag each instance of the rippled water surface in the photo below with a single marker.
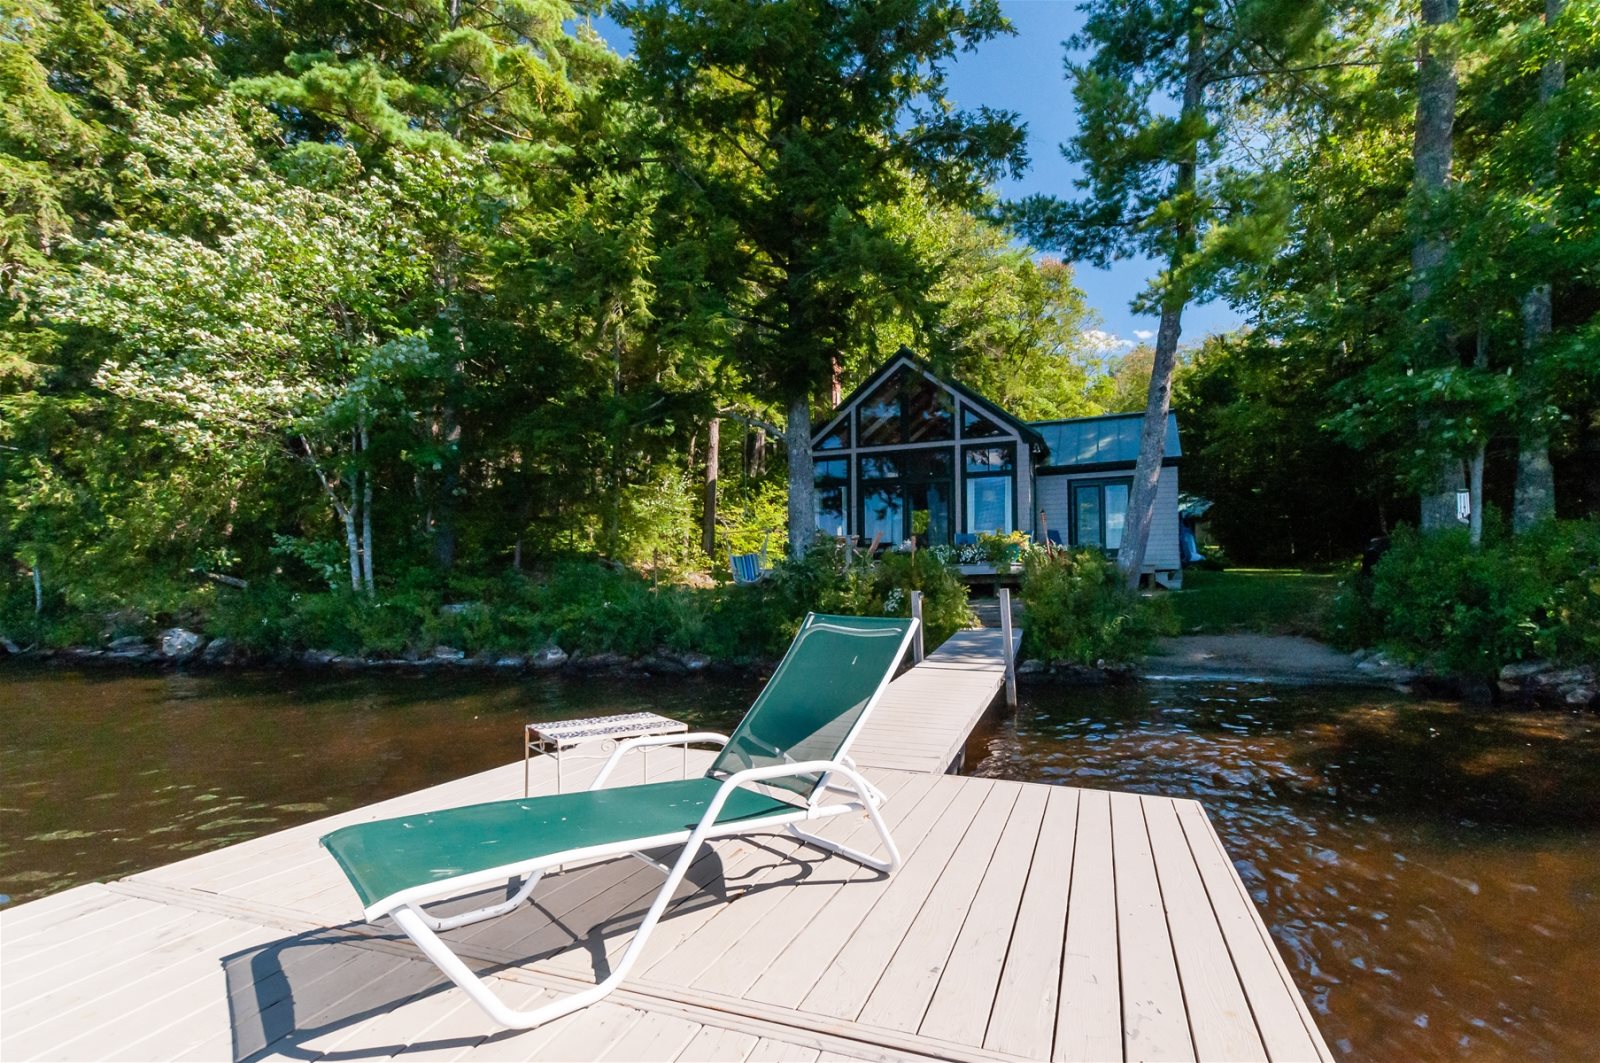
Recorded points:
(1431, 872)
(103, 774)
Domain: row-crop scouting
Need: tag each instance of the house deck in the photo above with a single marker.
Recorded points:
(1028, 922)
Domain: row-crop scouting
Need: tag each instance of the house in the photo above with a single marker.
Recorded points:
(910, 454)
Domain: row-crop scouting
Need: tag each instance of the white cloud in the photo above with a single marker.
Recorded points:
(1103, 342)
(1143, 335)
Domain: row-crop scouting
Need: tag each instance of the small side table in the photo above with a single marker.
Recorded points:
(557, 736)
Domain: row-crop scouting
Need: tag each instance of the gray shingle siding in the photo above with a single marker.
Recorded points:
(1053, 490)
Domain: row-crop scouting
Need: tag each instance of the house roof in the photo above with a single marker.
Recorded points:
(905, 355)
(1101, 440)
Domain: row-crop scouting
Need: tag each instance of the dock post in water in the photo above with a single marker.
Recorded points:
(1007, 647)
(916, 614)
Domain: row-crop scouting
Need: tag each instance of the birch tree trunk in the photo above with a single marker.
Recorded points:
(802, 482)
(1535, 497)
(346, 514)
(1480, 361)
(708, 530)
(366, 519)
(1432, 148)
(1158, 400)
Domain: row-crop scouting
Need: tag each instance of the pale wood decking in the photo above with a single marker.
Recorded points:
(925, 716)
(1029, 922)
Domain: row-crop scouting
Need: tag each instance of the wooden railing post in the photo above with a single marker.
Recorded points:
(1008, 649)
(916, 612)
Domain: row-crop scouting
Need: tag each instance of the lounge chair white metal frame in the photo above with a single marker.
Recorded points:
(836, 776)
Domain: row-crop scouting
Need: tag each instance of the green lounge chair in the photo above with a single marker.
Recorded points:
(794, 739)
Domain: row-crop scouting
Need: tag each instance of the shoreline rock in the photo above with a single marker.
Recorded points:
(1552, 686)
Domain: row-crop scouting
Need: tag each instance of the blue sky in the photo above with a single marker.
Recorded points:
(1024, 74)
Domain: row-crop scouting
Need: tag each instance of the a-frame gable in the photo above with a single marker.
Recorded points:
(906, 357)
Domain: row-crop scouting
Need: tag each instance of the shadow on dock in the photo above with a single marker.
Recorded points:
(292, 997)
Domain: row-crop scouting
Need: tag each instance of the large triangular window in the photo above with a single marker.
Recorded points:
(906, 408)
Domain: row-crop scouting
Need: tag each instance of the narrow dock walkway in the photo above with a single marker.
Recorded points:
(925, 716)
(1029, 922)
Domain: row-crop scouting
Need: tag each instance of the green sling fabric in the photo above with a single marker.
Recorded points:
(391, 855)
(815, 696)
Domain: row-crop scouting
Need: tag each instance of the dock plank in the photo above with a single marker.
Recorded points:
(1281, 1015)
(843, 987)
(1155, 1023)
(1220, 1019)
(716, 1045)
(973, 971)
(901, 997)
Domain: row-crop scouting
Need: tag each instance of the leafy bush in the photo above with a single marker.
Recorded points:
(1079, 610)
(583, 605)
(1437, 600)
(945, 609)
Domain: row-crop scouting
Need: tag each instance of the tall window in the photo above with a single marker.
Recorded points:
(990, 474)
(906, 408)
(833, 495)
(907, 495)
(1099, 511)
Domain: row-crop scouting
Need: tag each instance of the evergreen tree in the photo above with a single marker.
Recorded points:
(784, 123)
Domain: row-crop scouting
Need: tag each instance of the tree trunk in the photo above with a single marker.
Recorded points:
(366, 520)
(1432, 148)
(38, 590)
(1158, 399)
(1152, 449)
(802, 477)
(353, 545)
(1535, 497)
(1480, 362)
(758, 453)
(347, 515)
(708, 531)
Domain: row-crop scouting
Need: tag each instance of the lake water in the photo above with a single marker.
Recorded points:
(1431, 872)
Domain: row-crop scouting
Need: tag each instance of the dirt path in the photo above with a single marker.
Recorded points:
(1280, 658)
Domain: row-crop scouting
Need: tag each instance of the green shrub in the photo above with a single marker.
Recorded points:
(945, 609)
(1436, 600)
(1079, 610)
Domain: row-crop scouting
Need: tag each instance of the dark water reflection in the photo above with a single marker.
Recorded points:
(103, 774)
(1430, 871)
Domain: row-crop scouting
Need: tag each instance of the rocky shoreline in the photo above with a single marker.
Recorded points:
(180, 648)
(1524, 684)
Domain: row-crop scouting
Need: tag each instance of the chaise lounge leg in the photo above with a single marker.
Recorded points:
(416, 926)
(865, 792)
(479, 915)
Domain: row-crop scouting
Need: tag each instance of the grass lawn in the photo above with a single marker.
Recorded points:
(1267, 601)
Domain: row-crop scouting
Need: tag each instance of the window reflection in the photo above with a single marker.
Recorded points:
(906, 408)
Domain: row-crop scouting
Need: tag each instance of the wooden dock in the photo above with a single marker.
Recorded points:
(1028, 922)
(925, 716)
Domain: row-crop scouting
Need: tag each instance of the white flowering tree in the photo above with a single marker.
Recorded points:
(249, 314)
